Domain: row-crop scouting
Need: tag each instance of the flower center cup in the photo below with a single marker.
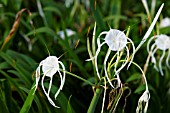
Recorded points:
(162, 42)
(116, 40)
(50, 66)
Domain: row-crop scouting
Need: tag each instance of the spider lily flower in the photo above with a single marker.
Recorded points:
(69, 33)
(143, 101)
(165, 22)
(50, 66)
(116, 41)
(68, 3)
(162, 43)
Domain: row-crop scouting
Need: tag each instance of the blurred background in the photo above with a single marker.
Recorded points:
(62, 27)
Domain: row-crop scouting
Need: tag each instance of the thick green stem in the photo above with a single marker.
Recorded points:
(94, 101)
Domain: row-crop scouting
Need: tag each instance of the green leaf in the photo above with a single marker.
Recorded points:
(69, 109)
(4, 2)
(140, 89)
(134, 77)
(3, 107)
(4, 65)
(42, 30)
(165, 30)
(28, 102)
(97, 15)
(22, 71)
(91, 79)
(53, 9)
(13, 83)
(35, 99)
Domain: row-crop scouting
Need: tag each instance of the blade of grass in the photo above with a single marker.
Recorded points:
(28, 102)
(23, 73)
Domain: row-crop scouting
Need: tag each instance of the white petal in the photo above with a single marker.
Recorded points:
(105, 69)
(50, 66)
(162, 42)
(144, 98)
(165, 22)
(160, 62)
(116, 40)
(167, 59)
(69, 33)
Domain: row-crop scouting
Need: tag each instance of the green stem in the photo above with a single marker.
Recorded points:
(80, 78)
(94, 101)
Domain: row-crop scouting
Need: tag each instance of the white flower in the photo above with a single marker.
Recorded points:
(117, 41)
(165, 22)
(68, 3)
(84, 2)
(69, 33)
(143, 102)
(162, 43)
(50, 66)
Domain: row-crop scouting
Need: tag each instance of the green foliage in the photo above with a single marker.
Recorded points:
(29, 43)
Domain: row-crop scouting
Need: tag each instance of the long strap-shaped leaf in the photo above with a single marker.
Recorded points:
(27, 104)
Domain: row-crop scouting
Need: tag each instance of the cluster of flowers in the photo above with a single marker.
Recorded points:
(117, 43)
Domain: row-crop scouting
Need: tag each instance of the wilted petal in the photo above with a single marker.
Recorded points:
(143, 102)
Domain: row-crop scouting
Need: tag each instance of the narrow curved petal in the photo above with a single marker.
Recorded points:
(148, 44)
(64, 73)
(102, 33)
(105, 70)
(37, 75)
(47, 94)
(60, 88)
(62, 82)
(49, 88)
(133, 54)
(52, 103)
(97, 52)
(124, 64)
(42, 83)
(62, 78)
(153, 60)
(160, 62)
(167, 59)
